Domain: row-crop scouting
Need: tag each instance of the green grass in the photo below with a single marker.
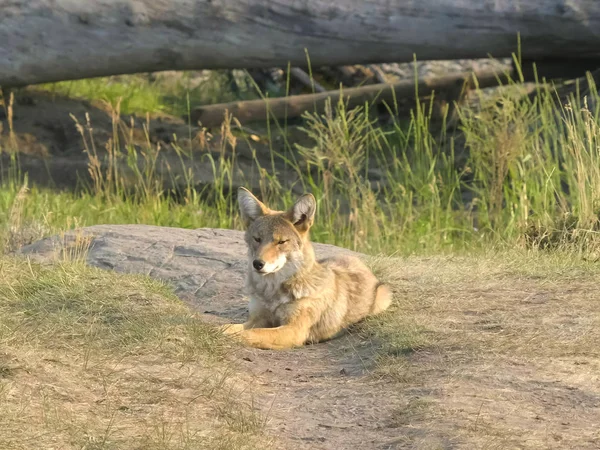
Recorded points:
(146, 93)
(43, 212)
(526, 176)
(135, 94)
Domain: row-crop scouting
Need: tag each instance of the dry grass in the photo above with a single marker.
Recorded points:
(496, 351)
(90, 359)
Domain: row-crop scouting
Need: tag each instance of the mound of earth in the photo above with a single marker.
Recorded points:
(47, 129)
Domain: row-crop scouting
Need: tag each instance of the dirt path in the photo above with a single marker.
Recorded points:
(321, 397)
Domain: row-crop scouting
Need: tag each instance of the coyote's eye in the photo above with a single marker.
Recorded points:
(282, 242)
(257, 239)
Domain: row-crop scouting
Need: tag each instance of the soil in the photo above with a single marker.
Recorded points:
(513, 360)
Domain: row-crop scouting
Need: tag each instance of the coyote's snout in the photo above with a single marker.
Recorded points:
(295, 299)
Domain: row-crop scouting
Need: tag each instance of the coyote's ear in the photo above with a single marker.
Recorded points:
(251, 208)
(302, 214)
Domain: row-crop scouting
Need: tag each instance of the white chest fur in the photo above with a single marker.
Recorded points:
(266, 292)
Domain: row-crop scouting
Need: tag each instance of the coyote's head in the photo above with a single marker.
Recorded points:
(277, 240)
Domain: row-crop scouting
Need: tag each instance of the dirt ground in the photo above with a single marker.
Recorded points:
(495, 351)
(511, 361)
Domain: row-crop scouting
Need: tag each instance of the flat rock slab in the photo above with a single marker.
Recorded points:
(206, 267)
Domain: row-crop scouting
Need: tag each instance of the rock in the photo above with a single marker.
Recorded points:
(206, 267)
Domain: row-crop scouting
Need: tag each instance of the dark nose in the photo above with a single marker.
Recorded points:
(258, 264)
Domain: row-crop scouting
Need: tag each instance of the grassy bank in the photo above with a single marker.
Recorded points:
(516, 172)
(91, 359)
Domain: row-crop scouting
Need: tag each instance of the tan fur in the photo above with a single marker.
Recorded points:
(295, 299)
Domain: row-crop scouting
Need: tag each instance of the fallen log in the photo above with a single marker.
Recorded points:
(377, 73)
(305, 79)
(54, 40)
(553, 68)
(581, 88)
(294, 106)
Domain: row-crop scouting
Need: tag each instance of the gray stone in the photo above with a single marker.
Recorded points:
(206, 267)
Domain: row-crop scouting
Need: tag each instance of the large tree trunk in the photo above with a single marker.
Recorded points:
(50, 40)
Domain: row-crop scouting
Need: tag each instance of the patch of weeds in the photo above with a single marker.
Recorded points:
(76, 306)
(397, 335)
(397, 338)
(389, 367)
(565, 233)
(241, 420)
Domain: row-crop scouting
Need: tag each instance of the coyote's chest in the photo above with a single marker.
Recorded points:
(268, 292)
(271, 294)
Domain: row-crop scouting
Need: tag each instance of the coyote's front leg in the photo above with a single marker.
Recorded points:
(285, 336)
(254, 321)
(294, 333)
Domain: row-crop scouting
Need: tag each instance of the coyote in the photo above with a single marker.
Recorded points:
(295, 299)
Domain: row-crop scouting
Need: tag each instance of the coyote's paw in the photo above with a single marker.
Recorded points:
(231, 328)
(252, 340)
